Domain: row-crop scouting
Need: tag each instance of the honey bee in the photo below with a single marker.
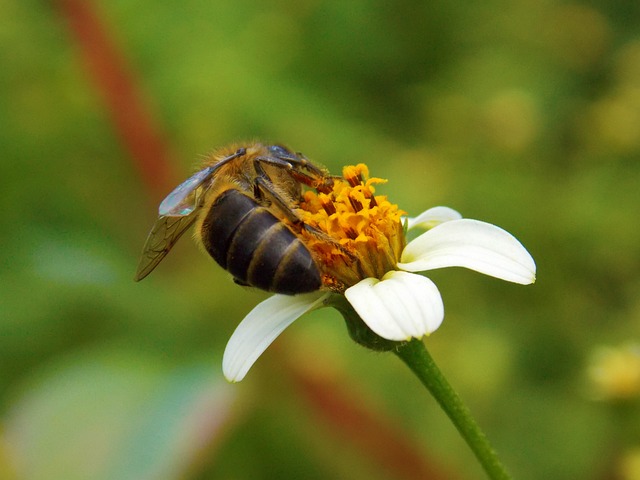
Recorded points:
(243, 206)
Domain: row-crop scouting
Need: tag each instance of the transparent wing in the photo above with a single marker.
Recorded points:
(182, 201)
(177, 212)
(162, 237)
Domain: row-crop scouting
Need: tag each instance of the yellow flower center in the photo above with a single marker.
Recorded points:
(357, 234)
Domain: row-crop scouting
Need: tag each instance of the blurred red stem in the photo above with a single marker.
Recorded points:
(115, 82)
(378, 438)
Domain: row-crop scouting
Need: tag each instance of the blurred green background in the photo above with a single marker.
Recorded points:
(523, 114)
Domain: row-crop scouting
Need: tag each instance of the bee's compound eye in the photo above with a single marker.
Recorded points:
(280, 151)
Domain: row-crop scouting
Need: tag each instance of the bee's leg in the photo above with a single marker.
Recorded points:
(322, 183)
(263, 189)
(257, 165)
(284, 163)
(266, 191)
(237, 281)
(295, 159)
(321, 176)
(302, 162)
(316, 178)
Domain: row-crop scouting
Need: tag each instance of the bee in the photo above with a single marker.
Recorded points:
(243, 206)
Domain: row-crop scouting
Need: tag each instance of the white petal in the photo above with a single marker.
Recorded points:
(432, 217)
(262, 326)
(477, 245)
(400, 306)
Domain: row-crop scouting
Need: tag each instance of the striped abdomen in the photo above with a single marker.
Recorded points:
(256, 247)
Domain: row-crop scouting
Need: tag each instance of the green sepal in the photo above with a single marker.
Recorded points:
(358, 330)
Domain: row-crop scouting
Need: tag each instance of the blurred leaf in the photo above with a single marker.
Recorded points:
(116, 415)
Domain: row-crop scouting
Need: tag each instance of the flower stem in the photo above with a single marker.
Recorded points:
(415, 355)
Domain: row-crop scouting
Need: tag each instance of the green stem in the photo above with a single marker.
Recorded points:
(417, 358)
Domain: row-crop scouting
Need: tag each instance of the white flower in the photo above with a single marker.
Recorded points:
(402, 305)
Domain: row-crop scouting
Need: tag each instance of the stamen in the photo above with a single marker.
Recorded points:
(351, 233)
(354, 180)
(328, 207)
(366, 232)
(357, 206)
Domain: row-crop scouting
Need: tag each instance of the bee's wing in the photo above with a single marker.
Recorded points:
(183, 200)
(162, 237)
(177, 212)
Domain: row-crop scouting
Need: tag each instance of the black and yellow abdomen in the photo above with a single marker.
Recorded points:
(256, 247)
